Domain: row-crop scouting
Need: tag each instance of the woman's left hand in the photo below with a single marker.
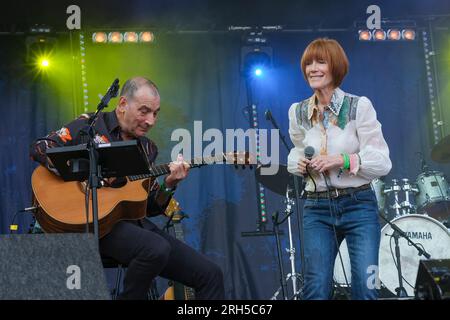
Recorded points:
(324, 163)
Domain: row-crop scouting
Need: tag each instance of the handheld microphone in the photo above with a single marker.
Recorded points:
(309, 152)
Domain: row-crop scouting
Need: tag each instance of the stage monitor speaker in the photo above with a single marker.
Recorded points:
(433, 280)
(51, 267)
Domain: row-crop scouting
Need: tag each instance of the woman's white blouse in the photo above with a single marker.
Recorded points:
(351, 127)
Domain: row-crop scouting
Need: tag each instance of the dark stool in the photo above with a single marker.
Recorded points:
(112, 263)
(109, 263)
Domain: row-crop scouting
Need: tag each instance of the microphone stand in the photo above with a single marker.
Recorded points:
(269, 117)
(94, 168)
(401, 291)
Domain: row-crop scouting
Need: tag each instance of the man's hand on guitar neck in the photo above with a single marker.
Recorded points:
(178, 171)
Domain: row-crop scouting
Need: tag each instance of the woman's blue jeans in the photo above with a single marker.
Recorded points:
(354, 217)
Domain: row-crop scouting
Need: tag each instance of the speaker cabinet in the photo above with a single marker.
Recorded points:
(433, 280)
(51, 266)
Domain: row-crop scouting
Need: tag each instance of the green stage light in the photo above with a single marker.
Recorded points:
(43, 63)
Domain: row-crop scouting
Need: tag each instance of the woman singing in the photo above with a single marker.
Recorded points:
(349, 152)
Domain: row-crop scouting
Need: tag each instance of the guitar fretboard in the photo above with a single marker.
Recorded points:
(156, 171)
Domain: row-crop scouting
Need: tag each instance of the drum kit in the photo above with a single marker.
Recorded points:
(428, 195)
(421, 209)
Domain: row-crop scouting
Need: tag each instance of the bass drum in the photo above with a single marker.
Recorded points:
(427, 233)
(423, 230)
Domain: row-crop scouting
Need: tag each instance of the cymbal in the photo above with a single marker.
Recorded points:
(278, 182)
(441, 152)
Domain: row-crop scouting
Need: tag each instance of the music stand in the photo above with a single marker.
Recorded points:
(115, 159)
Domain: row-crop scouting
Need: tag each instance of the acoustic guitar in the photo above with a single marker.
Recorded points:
(176, 290)
(61, 206)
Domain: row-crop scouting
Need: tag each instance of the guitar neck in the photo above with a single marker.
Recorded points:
(160, 170)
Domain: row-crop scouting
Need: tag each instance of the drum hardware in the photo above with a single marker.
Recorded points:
(400, 290)
(395, 189)
(293, 276)
(406, 206)
(299, 191)
(283, 183)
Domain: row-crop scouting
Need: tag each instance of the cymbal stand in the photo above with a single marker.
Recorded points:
(294, 276)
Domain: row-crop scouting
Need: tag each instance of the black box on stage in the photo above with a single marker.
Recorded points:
(51, 267)
(433, 280)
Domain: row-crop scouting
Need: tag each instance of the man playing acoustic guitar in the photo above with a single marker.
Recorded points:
(140, 244)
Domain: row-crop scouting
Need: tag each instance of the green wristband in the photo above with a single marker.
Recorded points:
(346, 161)
(167, 190)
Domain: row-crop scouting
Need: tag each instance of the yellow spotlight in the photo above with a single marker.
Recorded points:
(379, 35)
(99, 37)
(131, 37)
(43, 63)
(408, 34)
(364, 35)
(146, 36)
(115, 37)
(394, 34)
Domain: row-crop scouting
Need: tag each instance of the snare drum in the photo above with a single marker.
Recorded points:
(433, 198)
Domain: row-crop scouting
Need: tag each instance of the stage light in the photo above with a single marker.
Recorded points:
(408, 34)
(44, 63)
(115, 37)
(256, 60)
(146, 36)
(379, 35)
(39, 50)
(394, 34)
(365, 35)
(99, 37)
(131, 37)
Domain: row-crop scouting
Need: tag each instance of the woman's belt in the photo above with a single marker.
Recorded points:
(334, 192)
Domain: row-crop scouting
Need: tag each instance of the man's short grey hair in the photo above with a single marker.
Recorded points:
(132, 85)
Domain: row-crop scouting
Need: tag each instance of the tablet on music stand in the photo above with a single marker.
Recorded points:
(116, 159)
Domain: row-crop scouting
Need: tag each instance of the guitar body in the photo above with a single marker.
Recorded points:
(62, 205)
